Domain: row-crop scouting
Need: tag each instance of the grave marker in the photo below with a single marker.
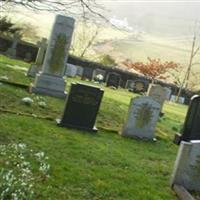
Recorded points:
(113, 80)
(142, 118)
(34, 68)
(158, 93)
(50, 80)
(191, 128)
(187, 166)
(81, 107)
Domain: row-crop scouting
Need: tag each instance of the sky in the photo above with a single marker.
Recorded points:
(166, 17)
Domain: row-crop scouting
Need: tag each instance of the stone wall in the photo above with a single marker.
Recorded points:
(24, 50)
(24, 47)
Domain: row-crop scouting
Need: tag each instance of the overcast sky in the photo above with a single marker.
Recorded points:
(160, 16)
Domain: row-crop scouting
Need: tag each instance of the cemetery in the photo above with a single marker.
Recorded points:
(73, 129)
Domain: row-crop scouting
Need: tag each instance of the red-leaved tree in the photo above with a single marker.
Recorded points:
(153, 69)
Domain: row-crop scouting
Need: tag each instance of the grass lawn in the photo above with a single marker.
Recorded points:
(100, 166)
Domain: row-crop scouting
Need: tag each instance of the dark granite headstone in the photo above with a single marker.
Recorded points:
(87, 73)
(81, 107)
(191, 128)
(113, 80)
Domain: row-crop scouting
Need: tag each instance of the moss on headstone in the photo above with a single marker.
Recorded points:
(58, 54)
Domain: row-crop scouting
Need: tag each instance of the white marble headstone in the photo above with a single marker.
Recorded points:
(187, 166)
(142, 117)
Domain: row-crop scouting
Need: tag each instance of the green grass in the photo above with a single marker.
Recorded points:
(88, 166)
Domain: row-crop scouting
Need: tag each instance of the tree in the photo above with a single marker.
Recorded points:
(24, 30)
(7, 27)
(107, 60)
(85, 8)
(84, 39)
(153, 69)
(194, 51)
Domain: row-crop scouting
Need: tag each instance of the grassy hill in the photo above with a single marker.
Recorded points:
(84, 165)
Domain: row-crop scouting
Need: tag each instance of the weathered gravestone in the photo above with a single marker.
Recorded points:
(158, 93)
(71, 70)
(139, 86)
(87, 73)
(113, 80)
(34, 68)
(180, 100)
(191, 128)
(79, 71)
(50, 80)
(98, 72)
(81, 107)
(130, 85)
(187, 166)
(168, 92)
(142, 118)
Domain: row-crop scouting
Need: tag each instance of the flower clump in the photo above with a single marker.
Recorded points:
(21, 169)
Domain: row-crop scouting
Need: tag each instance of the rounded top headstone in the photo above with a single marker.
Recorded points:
(195, 97)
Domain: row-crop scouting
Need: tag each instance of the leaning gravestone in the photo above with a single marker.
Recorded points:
(187, 166)
(158, 93)
(113, 80)
(34, 68)
(50, 80)
(81, 107)
(142, 118)
(191, 128)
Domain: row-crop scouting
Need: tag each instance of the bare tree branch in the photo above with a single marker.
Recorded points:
(87, 9)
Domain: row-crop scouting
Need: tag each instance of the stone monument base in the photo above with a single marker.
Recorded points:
(124, 134)
(49, 85)
(59, 123)
(177, 138)
(33, 70)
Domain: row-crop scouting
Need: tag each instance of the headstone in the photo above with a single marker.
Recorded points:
(173, 98)
(87, 73)
(71, 70)
(81, 107)
(12, 50)
(50, 80)
(180, 100)
(139, 86)
(142, 118)
(130, 85)
(98, 72)
(113, 80)
(168, 92)
(79, 71)
(34, 68)
(191, 128)
(187, 166)
(158, 93)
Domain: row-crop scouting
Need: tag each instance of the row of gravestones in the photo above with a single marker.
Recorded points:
(18, 49)
(83, 103)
